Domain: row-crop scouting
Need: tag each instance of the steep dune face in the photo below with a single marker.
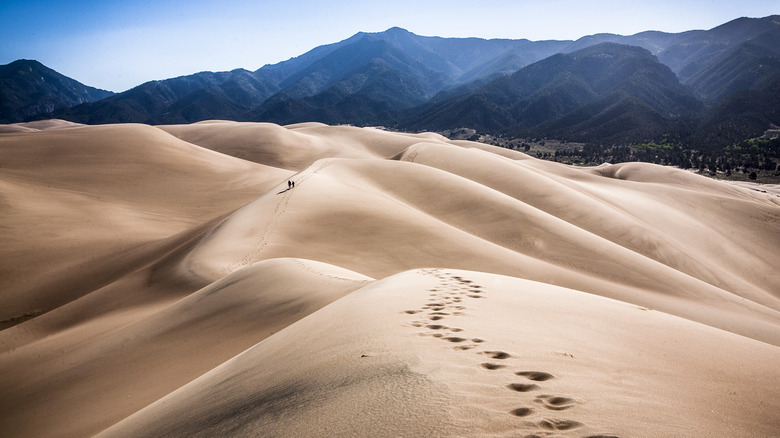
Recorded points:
(459, 353)
(114, 371)
(407, 285)
(665, 215)
(379, 217)
(79, 203)
(297, 146)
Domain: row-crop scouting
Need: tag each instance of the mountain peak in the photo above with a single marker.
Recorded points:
(25, 62)
(22, 64)
(394, 33)
(30, 89)
(396, 30)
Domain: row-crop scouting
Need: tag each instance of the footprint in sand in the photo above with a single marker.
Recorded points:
(549, 402)
(496, 354)
(538, 376)
(521, 412)
(555, 403)
(522, 387)
(492, 366)
(554, 424)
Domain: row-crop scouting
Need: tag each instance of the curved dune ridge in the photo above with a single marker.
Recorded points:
(166, 281)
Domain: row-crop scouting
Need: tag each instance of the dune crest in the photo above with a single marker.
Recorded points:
(434, 357)
(170, 281)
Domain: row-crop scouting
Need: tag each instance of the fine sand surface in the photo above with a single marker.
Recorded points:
(165, 281)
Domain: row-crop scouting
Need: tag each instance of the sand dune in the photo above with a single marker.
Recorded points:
(39, 125)
(80, 203)
(295, 147)
(506, 357)
(164, 348)
(165, 281)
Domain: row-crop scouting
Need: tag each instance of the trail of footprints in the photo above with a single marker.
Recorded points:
(447, 301)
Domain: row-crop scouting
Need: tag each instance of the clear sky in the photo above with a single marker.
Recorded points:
(118, 44)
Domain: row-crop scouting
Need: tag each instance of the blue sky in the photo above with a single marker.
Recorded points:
(116, 45)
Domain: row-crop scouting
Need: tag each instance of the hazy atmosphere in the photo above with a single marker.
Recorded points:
(117, 45)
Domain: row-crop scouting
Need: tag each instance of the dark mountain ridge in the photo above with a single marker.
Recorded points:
(694, 54)
(30, 89)
(601, 89)
(425, 65)
(185, 99)
(562, 94)
(751, 65)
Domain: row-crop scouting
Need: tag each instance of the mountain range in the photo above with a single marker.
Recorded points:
(29, 89)
(604, 88)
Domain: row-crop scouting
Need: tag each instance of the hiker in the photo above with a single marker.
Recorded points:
(293, 184)
(289, 185)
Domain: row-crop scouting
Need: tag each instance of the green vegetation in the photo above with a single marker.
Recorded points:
(753, 159)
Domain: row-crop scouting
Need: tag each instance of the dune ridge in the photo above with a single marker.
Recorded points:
(409, 375)
(166, 281)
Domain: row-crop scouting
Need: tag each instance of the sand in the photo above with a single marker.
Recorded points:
(166, 281)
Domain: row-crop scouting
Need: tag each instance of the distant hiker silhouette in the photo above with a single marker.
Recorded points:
(293, 184)
(289, 185)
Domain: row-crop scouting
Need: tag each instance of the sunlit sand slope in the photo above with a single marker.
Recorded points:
(85, 379)
(441, 352)
(167, 281)
(581, 230)
(79, 204)
(296, 146)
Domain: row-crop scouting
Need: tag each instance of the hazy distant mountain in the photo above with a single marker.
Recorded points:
(357, 83)
(742, 115)
(740, 55)
(750, 65)
(698, 51)
(688, 53)
(607, 92)
(371, 68)
(30, 89)
(367, 78)
(202, 96)
(601, 88)
(366, 75)
(654, 41)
